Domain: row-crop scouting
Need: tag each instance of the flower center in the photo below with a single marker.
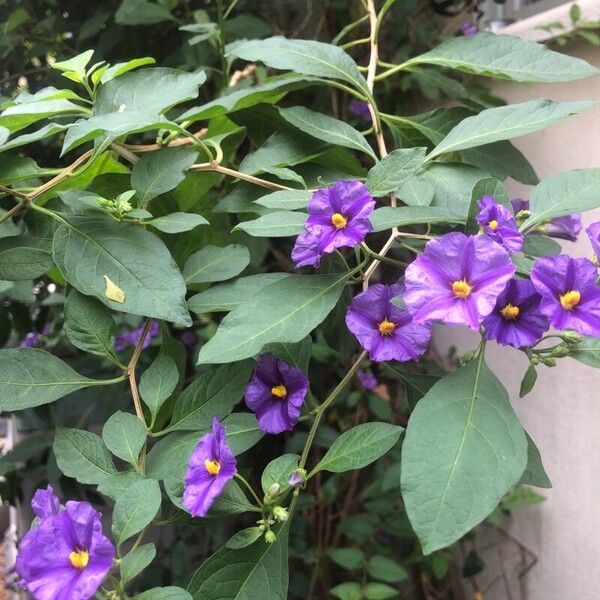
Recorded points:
(570, 300)
(212, 466)
(79, 559)
(493, 224)
(461, 289)
(510, 312)
(386, 327)
(279, 391)
(338, 220)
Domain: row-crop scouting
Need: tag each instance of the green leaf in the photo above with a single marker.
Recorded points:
(213, 263)
(89, 325)
(227, 296)
(464, 448)
(14, 169)
(386, 569)
(326, 128)
(22, 115)
(28, 138)
(278, 471)
(77, 64)
(119, 69)
(349, 590)
(141, 12)
(506, 122)
(178, 222)
(298, 354)
(244, 538)
(134, 562)
(283, 223)
(116, 484)
(528, 381)
(388, 217)
(124, 435)
(31, 377)
(348, 558)
(302, 56)
(88, 249)
(164, 593)
(534, 474)
(213, 394)
(505, 57)
(135, 509)
(392, 172)
(158, 382)
(285, 199)
(82, 455)
(359, 447)
(296, 305)
(380, 591)
(159, 172)
(24, 257)
(564, 194)
(540, 245)
(587, 352)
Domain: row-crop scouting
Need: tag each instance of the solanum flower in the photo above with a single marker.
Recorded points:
(593, 233)
(276, 393)
(360, 109)
(516, 319)
(338, 216)
(386, 331)
(31, 340)
(65, 555)
(468, 29)
(131, 338)
(367, 379)
(457, 279)
(211, 465)
(570, 293)
(566, 228)
(498, 223)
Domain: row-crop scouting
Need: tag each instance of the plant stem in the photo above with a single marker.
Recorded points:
(217, 168)
(131, 374)
(249, 488)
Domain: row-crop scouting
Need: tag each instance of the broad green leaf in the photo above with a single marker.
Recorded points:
(359, 447)
(464, 448)
(163, 593)
(379, 591)
(505, 57)
(116, 484)
(17, 168)
(213, 263)
(392, 172)
(24, 257)
(86, 249)
(501, 160)
(134, 562)
(227, 296)
(119, 69)
(417, 191)
(20, 116)
(587, 352)
(178, 222)
(124, 435)
(386, 569)
(506, 122)
(158, 382)
(82, 455)
(348, 558)
(141, 12)
(326, 128)
(349, 590)
(535, 473)
(564, 194)
(302, 56)
(77, 64)
(283, 223)
(89, 325)
(540, 245)
(519, 496)
(244, 538)
(213, 394)
(285, 199)
(285, 311)
(28, 138)
(135, 509)
(159, 172)
(388, 217)
(278, 471)
(31, 377)
(298, 354)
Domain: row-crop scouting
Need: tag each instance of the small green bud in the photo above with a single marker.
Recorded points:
(270, 537)
(560, 351)
(571, 337)
(549, 361)
(124, 206)
(280, 513)
(535, 360)
(274, 490)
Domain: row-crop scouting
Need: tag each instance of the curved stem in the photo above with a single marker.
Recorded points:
(249, 488)
(131, 373)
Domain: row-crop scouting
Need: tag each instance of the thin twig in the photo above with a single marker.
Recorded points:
(217, 168)
(131, 372)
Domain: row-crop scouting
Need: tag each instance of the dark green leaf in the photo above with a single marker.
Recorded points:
(134, 562)
(135, 509)
(283, 223)
(124, 435)
(158, 382)
(534, 474)
(392, 172)
(213, 263)
(388, 217)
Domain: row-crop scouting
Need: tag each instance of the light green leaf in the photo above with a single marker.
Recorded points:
(534, 474)
(28, 138)
(528, 381)
(283, 223)
(285, 199)
(213, 263)
(464, 449)
(14, 169)
(134, 562)
(119, 69)
(158, 382)
(278, 471)
(388, 217)
(124, 435)
(116, 484)
(501, 160)
(77, 64)
(505, 57)
(296, 305)
(82, 455)
(178, 222)
(86, 249)
(587, 352)
(348, 558)
(380, 591)
(385, 569)
(22, 115)
(135, 508)
(392, 172)
(31, 377)
(349, 590)
(141, 12)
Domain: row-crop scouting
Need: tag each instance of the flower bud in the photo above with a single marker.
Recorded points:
(280, 513)
(297, 478)
(270, 537)
(549, 361)
(560, 351)
(273, 490)
(571, 337)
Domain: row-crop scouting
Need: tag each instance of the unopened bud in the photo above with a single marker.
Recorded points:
(281, 514)
(273, 490)
(560, 351)
(270, 537)
(124, 206)
(571, 337)
(297, 478)
(549, 361)
(535, 360)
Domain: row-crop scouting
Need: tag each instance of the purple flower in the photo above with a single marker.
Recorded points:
(457, 279)
(468, 29)
(276, 393)
(297, 478)
(31, 340)
(211, 465)
(189, 339)
(385, 330)
(338, 216)
(570, 293)
(519, 205)
(65, 555)
(516, 319)
(566, 228)
(498, 223)
(131, 338)
(593, 232)
(361, 110)
(367, 380)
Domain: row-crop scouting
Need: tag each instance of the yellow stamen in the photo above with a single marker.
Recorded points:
(461, 289)
(493, 224)
(79, 559)
(212, 466)
(386, 327)
(510, 312)
(339, 221)
(279, 391)
(570, 299)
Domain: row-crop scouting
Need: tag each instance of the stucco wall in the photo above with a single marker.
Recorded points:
(562, 414)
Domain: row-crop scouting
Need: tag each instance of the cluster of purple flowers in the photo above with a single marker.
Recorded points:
(65, 555)
(131, 338)
(566, 228)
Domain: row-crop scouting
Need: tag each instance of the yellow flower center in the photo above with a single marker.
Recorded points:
(339, 221)
(570, 300)
(493, 224)
(386, 327)
(212, 466)
(461, 289)
(79, 559)
(279, 391)
(510, 312)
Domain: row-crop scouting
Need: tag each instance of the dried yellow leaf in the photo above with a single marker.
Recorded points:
(113, 291)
